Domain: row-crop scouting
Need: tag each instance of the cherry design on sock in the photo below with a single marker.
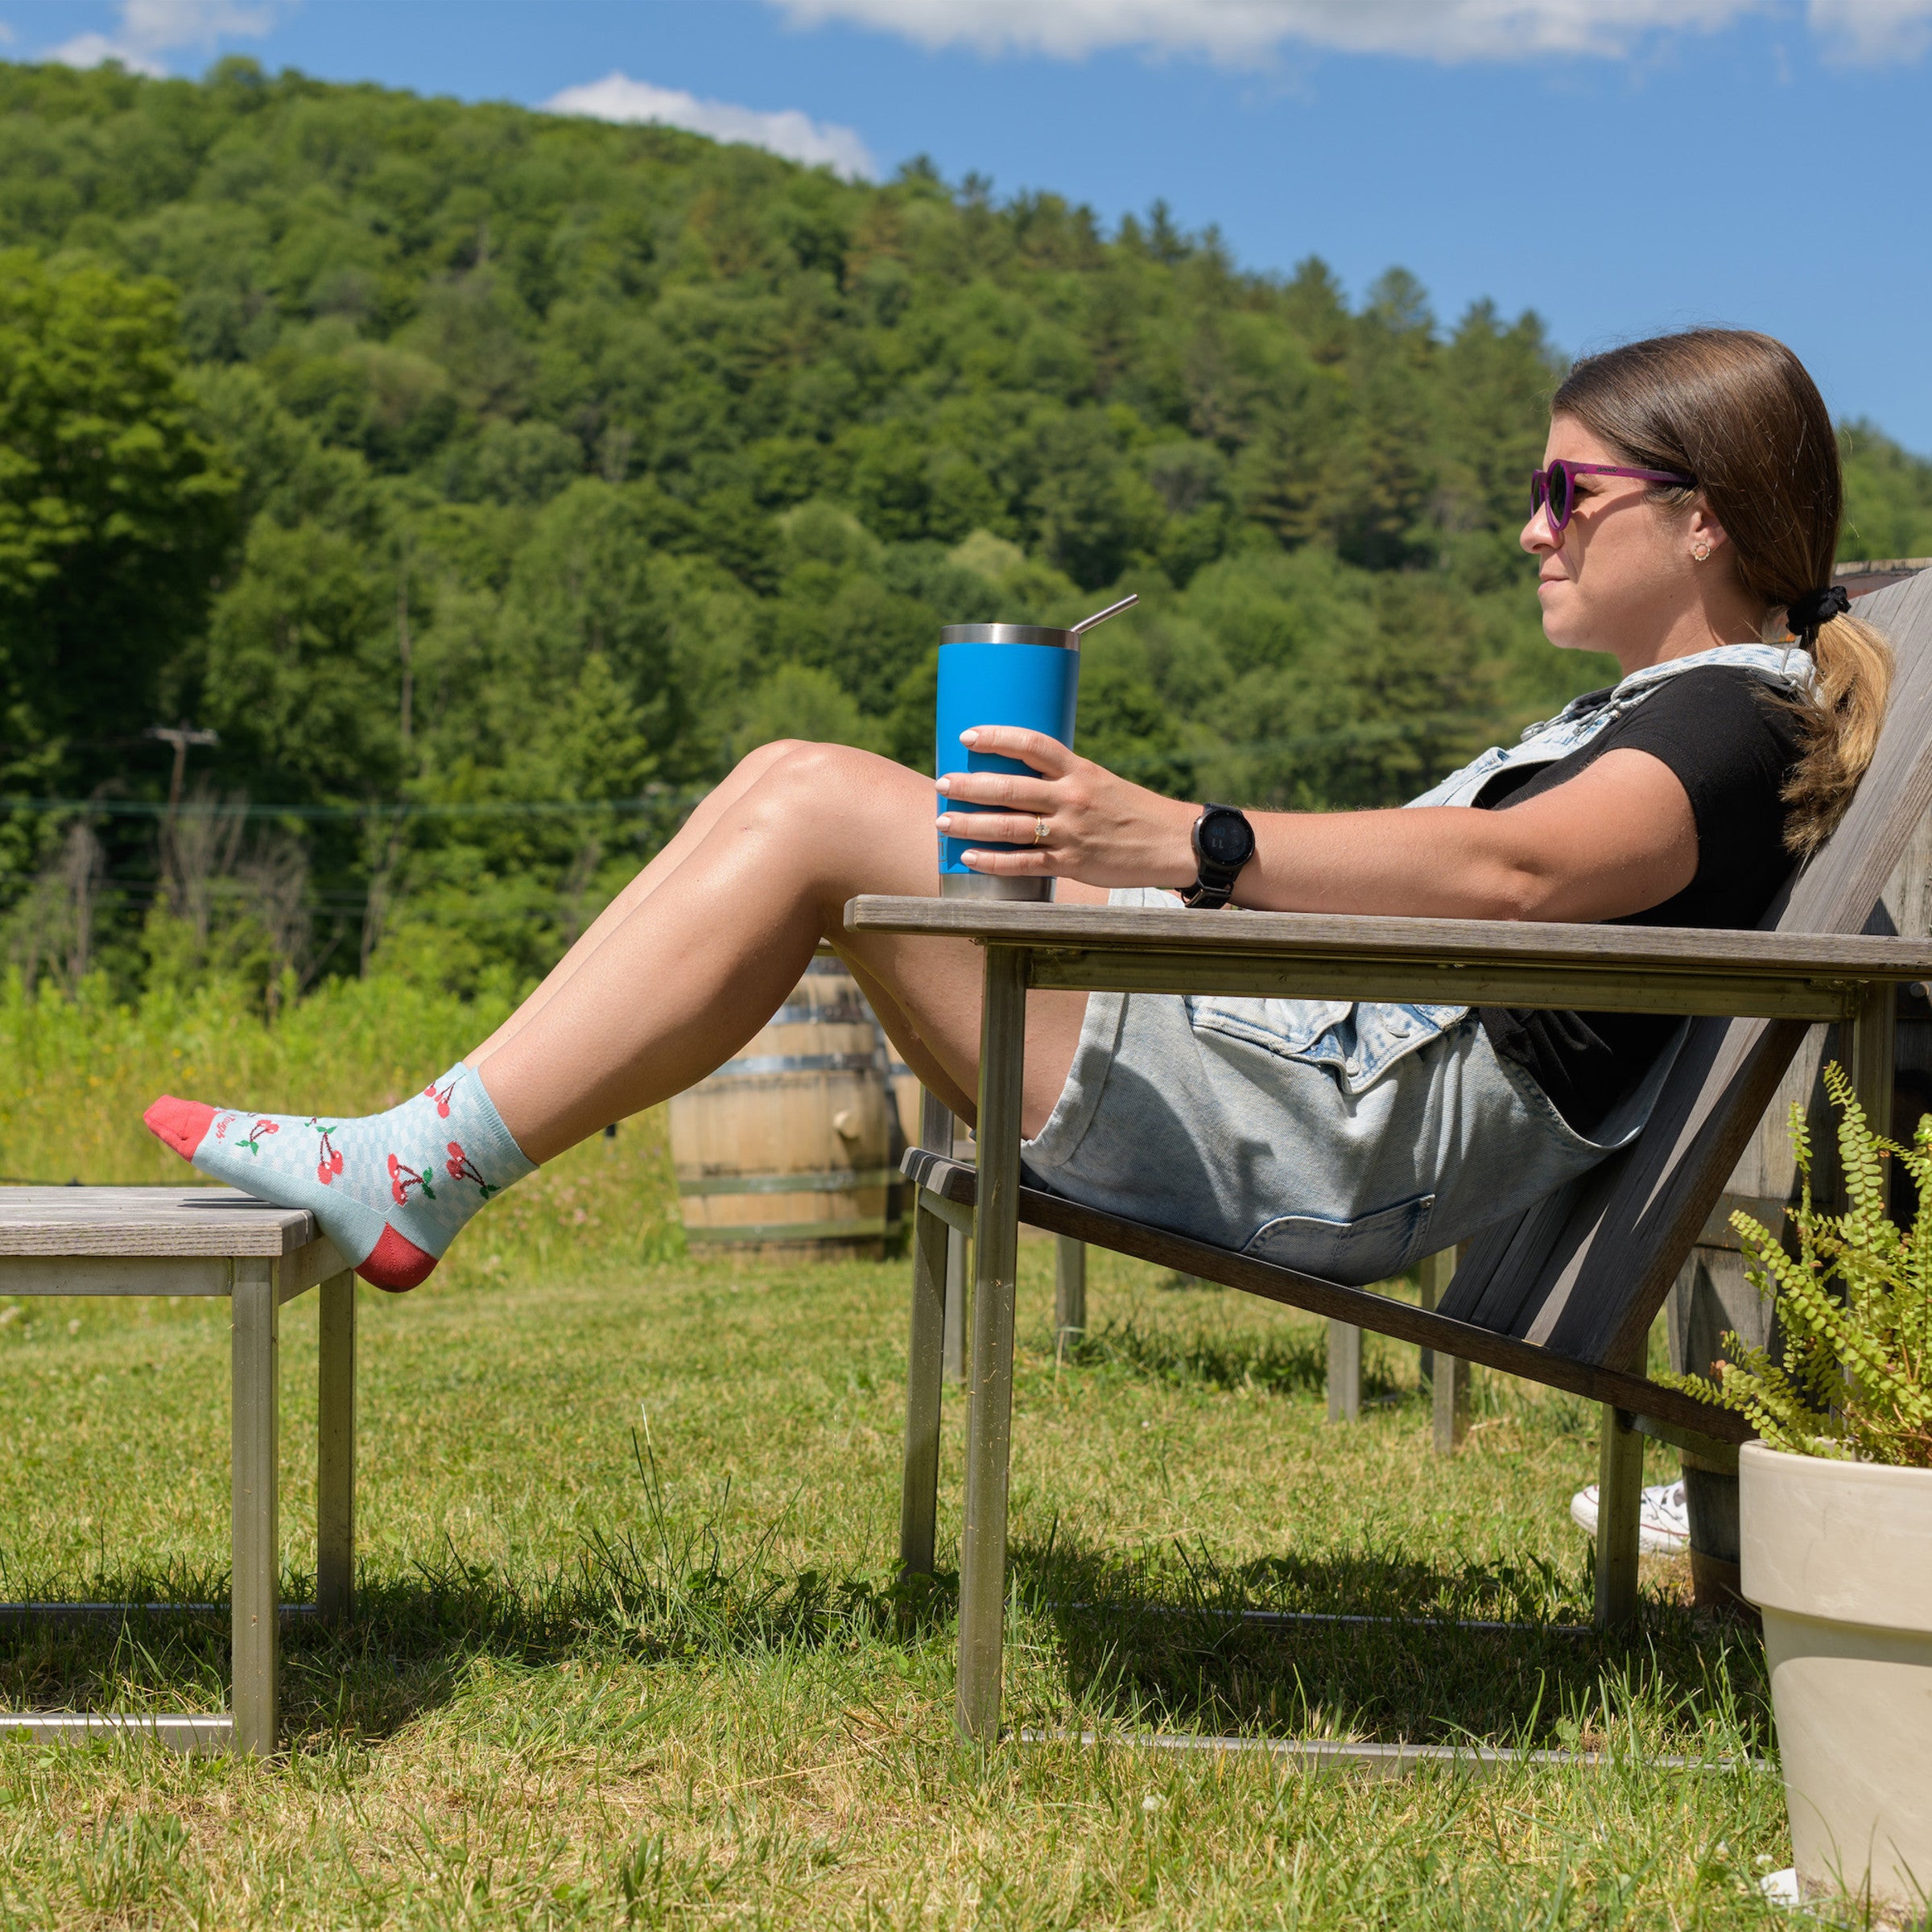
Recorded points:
(253, 1143)
(402, 1179)
(441, 1096)
(329, 1163)
(462, 1169)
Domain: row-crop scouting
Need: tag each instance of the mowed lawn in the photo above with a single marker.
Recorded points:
(630, 1649)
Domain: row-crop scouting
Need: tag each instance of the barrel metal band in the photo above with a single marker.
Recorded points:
(870, 1228)
(797, 1063)
(802, 1012)
(845, 1180)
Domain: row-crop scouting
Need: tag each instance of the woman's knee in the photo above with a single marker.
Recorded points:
(755, 764)
(841, 800)
(839, 777)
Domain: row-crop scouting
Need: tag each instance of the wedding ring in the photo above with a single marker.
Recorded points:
(1039, 831)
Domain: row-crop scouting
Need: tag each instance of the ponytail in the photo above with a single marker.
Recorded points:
(1840, 716)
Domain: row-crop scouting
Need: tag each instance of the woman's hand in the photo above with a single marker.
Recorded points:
(1077, 820)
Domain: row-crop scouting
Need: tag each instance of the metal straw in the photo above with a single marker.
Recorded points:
(1100, 616)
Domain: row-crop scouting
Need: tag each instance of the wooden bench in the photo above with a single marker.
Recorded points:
(211, 1241)
(1563, 1294)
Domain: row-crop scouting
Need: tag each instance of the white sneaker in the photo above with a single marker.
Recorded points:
(1663, 1517)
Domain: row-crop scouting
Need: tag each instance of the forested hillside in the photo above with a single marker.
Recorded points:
(487, 481)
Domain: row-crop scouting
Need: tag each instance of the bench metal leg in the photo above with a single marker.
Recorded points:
(1345, 1371)
(1619, 1480)
(920, 1482)
(1069, 1290)
(989, 1416)
(335, 1451)
(254, 1591)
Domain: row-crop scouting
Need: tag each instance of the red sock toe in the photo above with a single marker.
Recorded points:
(396, 1263)
(183, 1124)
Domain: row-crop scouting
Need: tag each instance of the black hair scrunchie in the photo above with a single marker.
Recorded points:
(1805, 614)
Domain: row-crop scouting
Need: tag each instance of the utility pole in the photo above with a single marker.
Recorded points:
(180, 736)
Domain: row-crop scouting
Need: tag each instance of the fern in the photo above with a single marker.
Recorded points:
(1855, 1301)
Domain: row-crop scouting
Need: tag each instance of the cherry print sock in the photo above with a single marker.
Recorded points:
(390, 1190)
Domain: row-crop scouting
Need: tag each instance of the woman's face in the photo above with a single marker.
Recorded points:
(1623, 576)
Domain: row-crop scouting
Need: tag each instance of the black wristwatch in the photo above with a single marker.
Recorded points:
(1223, 843)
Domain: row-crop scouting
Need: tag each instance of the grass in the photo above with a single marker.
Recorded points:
(630, 1647)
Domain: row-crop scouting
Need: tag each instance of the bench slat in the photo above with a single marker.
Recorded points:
(152, 1221)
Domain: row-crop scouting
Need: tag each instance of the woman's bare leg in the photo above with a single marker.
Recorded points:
(687, 971)
(686, 838)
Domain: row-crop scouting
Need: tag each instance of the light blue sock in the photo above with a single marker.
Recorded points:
(390, 1190)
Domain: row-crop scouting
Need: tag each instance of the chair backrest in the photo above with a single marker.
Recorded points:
(1585, 1271)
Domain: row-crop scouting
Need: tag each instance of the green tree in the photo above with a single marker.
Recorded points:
(115, 517)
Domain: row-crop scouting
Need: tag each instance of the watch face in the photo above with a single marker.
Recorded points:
(1226, 838)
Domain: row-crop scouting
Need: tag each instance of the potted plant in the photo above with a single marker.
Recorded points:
(1835, 1512)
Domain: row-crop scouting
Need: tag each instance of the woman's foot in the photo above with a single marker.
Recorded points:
(390, 1190)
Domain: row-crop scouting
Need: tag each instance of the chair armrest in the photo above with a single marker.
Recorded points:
(1451, 962)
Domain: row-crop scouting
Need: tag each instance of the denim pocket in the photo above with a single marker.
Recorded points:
(1358, 1043)
(1289, 1026)
(1354, 1253)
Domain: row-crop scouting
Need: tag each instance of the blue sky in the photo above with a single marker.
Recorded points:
(1620, 166)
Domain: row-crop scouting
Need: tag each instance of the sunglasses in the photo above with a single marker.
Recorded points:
(1556, 486)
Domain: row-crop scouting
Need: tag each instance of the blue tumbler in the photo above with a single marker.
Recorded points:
(1022, 674)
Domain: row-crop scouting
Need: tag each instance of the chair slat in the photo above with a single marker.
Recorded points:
(1585, 1271)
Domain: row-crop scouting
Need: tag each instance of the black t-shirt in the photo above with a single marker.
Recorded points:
(1732, 745)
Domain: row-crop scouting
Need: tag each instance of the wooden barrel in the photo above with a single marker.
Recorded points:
(906, 1096)
(789, 1148)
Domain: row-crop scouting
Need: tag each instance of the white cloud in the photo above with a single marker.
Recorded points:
(786, 132)
(1431, 30)
(1875, 30)
(151, 29)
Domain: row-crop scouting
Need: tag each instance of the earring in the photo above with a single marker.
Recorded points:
(1701, 551)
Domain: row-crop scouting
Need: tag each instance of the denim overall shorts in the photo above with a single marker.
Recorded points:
(1344, 1139)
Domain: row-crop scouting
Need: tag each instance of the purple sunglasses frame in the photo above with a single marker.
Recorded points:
(1541, 493)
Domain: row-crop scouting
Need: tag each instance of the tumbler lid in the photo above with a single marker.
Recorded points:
(1010, 634)
(1033, 634)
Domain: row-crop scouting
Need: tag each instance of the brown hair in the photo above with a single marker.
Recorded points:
(1736, 411)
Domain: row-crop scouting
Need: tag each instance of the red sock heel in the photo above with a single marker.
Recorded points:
(396, 1264)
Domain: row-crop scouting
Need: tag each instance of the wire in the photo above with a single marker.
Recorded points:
(508, 808)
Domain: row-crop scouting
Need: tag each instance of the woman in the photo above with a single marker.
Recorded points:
(1685, 521)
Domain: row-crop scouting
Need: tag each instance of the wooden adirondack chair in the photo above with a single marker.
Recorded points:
(1563, 1295)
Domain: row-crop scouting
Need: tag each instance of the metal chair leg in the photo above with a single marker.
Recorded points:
(255, 1591)
(989, 1425)
(1620, 1482)
(1448, 1379)
(335, 1451)
(1345, 1371)
(1449, 1404)
(919, 1483)
(1069, 1290)
(956, 1298)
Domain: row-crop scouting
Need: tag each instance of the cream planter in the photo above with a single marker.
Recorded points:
(1839, 1558)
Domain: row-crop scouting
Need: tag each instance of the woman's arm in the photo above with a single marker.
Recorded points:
(1616, 839)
